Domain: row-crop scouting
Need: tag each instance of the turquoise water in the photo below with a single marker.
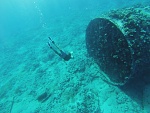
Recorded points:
(33, 79)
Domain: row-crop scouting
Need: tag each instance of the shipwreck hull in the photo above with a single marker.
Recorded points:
(119, 41)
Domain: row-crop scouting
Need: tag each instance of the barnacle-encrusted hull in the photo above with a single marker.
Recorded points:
(119, 41)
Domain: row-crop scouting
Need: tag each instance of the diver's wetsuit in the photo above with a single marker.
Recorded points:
(65, 56)
(62, 54)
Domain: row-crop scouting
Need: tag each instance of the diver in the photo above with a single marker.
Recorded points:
(60, 53)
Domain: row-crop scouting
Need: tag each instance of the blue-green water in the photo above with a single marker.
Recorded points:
(17, 16)
(29, 68)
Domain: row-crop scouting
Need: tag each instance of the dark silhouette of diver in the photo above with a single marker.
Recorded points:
(61, 53)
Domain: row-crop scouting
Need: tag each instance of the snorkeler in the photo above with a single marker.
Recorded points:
(61, 53)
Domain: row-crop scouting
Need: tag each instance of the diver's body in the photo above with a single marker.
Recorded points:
(60, 53)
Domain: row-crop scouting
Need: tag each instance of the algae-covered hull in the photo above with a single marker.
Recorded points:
(119, 41)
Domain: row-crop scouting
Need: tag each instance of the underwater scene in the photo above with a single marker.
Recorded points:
(74, 56)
